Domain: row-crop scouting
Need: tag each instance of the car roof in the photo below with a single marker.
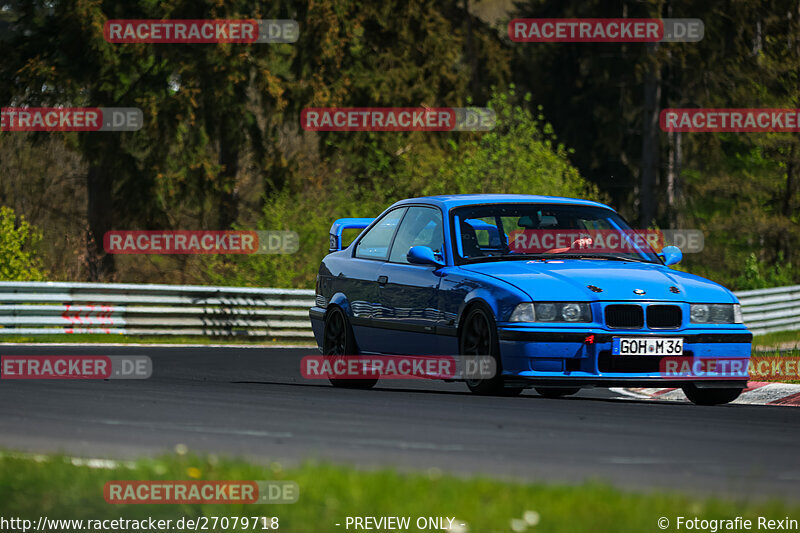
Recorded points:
(452, 201)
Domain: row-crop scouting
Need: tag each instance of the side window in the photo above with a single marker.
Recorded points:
(375, 243)
(422, 226)
(480, 236)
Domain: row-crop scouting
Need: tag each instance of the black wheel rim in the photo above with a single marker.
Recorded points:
(477, 340)
(335, 335)
(477, 337)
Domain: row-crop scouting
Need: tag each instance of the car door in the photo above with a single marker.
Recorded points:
(409, 293)
(360, 286)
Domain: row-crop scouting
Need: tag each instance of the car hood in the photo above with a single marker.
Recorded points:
(568, 280)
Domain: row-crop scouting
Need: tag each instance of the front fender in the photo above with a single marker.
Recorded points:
(500, 296)
(483, 295)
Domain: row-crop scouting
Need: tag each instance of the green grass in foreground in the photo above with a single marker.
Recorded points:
(777, 338)
(56, 488)
(149, 339)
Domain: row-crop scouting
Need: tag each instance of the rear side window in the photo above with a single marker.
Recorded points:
(375, 243)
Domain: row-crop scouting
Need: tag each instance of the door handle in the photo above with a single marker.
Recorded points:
(383, 280)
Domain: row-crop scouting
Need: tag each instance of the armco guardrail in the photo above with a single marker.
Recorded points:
(768, 310)
(36, 308)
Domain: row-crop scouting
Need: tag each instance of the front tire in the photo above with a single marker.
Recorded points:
(700, 396)
(338, 342)
(479, 337)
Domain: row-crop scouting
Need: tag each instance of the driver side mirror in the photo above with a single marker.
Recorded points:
(422, 255)
(671, 255)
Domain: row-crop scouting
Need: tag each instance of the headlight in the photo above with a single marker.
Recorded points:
(547, 312)
(552, 312)
(572, 312)
(715, 314)
(698, 313)
(523, 313)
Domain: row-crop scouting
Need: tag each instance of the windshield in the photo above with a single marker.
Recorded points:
(546, 231)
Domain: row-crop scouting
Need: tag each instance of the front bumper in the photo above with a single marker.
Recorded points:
(584, 357)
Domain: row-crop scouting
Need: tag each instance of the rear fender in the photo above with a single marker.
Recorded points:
(339, 299)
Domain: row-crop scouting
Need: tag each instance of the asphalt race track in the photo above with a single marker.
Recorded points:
(252, 402)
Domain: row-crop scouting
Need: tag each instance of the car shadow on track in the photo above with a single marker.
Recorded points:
(605, 397)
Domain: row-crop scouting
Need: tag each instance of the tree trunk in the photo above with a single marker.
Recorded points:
(791, 170)
(674, 176)
(786, 244)
(229, 160)
(472, 60)
(649, 175)
(100, 213)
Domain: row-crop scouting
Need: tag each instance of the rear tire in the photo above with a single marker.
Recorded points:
(557, 392)
(339, 341)
(479, 337)
(700, 396)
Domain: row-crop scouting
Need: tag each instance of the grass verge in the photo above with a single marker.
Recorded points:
(777, 339)
(54, 486)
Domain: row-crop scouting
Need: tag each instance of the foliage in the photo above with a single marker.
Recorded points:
(521, 155)
(758, 275)
(18, 241)
(222, 146)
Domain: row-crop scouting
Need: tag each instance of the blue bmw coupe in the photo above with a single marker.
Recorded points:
(443, 275)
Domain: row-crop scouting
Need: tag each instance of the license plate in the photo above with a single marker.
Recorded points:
(647, 346)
